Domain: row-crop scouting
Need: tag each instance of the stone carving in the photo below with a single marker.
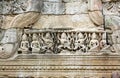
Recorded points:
(111, 8)
(13, 6)
(48, 41)
(53, 8)
(112, 14)
(19, 6)
(64, 41)
(95, 7)
(105, 45)
(35, 45)
(41, 51)
(9, 36)
(94, 43)
(71, 41)
(31, 17)
(24, 46)
(80, 42)
(81, 10)
(54, 42)
(34, 5)
(77, 7)
(116, 40)
(9, 39)
(6, 7)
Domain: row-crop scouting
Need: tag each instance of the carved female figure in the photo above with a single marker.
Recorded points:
(48, 41)
(79, 43)
(94, 43)
(64, 42)
(35, 45)
(24, 46)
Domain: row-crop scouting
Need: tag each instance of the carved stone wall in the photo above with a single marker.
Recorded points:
(59, 38)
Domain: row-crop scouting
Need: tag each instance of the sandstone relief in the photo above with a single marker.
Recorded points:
(81, 10)
(59, 38)
(81, 14)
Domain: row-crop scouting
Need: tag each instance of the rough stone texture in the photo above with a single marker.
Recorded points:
(52, 0)
(64, 21)
(72, 0)
(76, 8)
(53, 8)
(111, 8)
(1, 20)
(24, 20)
(1, 7)
(85, 15)
(95, 5)
(6, 22)
(112, 15)
(96, 17)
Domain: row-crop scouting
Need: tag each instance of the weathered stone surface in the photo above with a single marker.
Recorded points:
(116, 37)
(113, 22)
(20, 6)
(8, 43)
(10, 36)
(64, 21)
(76, 8)
(1, 20)
(96, 17)
(94, 5)
(72, 1)
(1, 7)
(34, 5)
(24, 20)
(111, 8)
(84, 15)
(6, 7)
(52, 0)
(6, 21)
(53, 8)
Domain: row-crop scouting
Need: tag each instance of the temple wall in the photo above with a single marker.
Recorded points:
(59, 38)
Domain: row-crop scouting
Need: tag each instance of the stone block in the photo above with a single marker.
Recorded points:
(94, 5)
(112, 21)
(10, 36)
(52, 0)
(72, 1)
(1, 20)
(53, 8)
(6, 8)
(1, 8)
(6, 21)
(64, 21)
(114, 10)
(76, 8)
(19, 6)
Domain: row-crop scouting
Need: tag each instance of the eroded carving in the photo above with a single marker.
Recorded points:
(24, 46)
(35, 45)
(9, 39)
(53, 42)
(94, 43)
